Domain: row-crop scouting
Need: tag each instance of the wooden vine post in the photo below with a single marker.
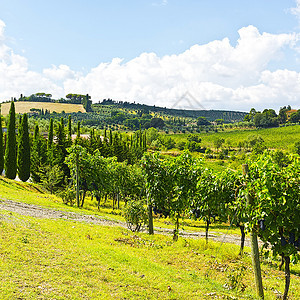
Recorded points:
(254, 248)
(150, 217)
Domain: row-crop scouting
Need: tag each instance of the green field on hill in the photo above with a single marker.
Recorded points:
(275, 138)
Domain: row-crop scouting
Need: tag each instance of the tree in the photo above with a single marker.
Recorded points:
(219, 121)
(202, 121)
(10, 160)
(78, 130)
(60, 148)
(51, 177)
(274, 210)
(50, 143)
(268, 118)
(23, 162)
(282, 115)
(69, 130)
(157, 123)
(218, 142)
(38, 155)
(295, 117)
(1, 147)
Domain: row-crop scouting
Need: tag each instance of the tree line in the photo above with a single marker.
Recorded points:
(85, 100)
(269, 118)
(39, 157)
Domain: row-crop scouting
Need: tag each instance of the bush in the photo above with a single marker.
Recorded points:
(135, 215)
(180, 145)
(68, 196)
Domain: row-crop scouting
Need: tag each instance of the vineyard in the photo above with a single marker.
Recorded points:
(126, 176)
(182, 188)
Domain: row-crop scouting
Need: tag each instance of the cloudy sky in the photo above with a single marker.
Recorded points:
(216, 54)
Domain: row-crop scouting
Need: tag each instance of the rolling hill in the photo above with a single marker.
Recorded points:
(25, 106)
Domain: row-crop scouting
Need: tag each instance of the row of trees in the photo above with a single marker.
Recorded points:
(181, 187)
(39, 157)
(85, 100)
(269, 118)
(17, 151)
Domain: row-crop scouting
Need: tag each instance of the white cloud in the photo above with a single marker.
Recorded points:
(15, 76)
(218, 75)
(296, 10)
(162, 3)
(60, 73)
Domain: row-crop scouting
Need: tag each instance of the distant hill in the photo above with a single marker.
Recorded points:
(210, 115)
(26, 107)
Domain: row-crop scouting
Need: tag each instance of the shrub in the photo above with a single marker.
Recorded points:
(135, 215)
(68, 196)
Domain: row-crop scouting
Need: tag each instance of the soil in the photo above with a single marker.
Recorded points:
(48, 213)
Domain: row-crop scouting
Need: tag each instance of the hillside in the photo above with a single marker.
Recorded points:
(211, 115)
(283, 138)
(25, 106)
(63, 256)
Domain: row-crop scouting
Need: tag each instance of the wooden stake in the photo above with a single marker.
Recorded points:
(254, 248)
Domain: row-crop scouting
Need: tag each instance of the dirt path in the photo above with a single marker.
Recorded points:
(48, 213)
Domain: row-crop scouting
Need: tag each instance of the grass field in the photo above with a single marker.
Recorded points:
(63, 259)
(275, 138)
(24, 107)
(56, 259)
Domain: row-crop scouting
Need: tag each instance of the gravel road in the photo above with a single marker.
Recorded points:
(48, 213)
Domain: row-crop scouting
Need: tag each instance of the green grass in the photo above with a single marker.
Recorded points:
(33, 194)
(275, 138)
(61, 259)
(58, 259)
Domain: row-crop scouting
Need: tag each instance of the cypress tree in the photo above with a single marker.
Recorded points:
(50, 150)
(78, 130)
(50, 135)
(110, 137)
(36, 132)
(105, 136)
(69, 130)
(38, 154)
(92, 139)
(10, 159)
(1, 147)
(23, 162)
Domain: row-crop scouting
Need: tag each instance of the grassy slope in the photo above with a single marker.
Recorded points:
(59, 259)
(50, 259)
(275, 138)
(24, 107)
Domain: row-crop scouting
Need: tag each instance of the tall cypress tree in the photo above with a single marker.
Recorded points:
(50, 143)
(23, 162)
(38, 154)
(69, 131)
(50, 135)
(10, 159)
(78, 130)
(1, 147)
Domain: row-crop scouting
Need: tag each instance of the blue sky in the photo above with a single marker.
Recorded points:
(227, 54)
